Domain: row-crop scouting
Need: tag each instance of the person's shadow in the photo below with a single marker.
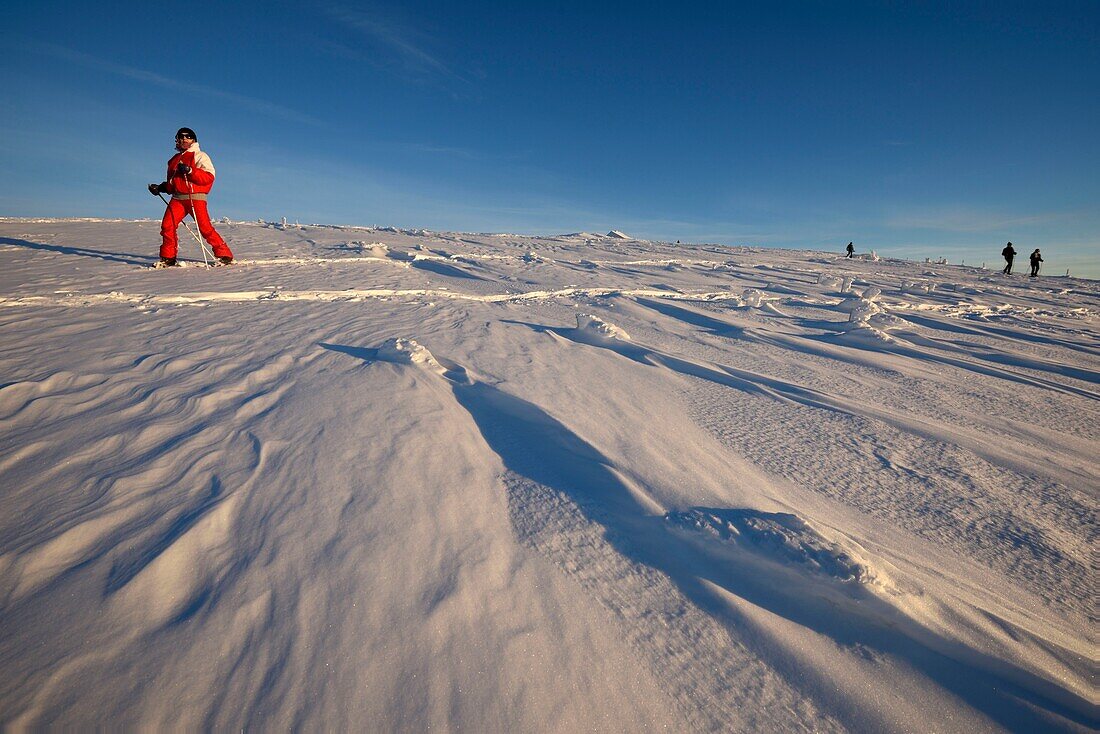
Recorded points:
(82, 251)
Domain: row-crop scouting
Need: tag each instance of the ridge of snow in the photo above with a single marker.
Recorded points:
(597, 327)
(405, 351)
(782, 537)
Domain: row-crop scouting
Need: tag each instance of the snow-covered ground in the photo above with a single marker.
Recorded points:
(384, 480)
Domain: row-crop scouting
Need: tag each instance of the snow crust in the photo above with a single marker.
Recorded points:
(784, 537)
(401, 480)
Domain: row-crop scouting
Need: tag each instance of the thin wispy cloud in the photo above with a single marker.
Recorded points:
(249, 103)
(403, 45)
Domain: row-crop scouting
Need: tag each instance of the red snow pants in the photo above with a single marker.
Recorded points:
(175, 213)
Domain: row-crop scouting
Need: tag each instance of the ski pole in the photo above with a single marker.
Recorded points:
(202, 245)
(188, 226)
(191, 198)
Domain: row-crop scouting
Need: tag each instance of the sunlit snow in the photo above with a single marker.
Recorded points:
(373, 479)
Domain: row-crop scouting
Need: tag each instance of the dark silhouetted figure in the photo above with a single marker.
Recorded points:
(851, 250)
(1008, 253)
(1036, 258)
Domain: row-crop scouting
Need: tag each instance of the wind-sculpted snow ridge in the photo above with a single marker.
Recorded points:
(867, 318)
(400, 479)
(406, 351)
(753, 298)
(834, 283)
(554, 474)
(784, 537)
(598, 328)
(550, 474)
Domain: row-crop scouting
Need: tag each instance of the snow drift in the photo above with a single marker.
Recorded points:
(409, 480)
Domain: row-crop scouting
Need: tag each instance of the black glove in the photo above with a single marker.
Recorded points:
(154, 189)
(182, 169)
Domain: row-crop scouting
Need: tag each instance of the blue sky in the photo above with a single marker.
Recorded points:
(917, 129)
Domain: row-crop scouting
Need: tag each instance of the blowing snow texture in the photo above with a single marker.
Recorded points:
(782, 535)
(408, 480)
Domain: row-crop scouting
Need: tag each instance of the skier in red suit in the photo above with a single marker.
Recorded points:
(190, 178)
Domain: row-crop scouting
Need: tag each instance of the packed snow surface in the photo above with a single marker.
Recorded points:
(401, 480)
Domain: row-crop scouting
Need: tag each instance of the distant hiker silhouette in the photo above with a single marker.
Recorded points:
(1036, 258)
(851, 250)
(1008, 253)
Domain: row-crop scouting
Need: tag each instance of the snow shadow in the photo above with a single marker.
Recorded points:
(718, 327)
(140, 555)
(905, 344)
(1001, 357)
(694, 318)
(908, 344)
(81, 251)
(785, 568)
(777, 535)
(991, 331)
(738, 379)
(753, 383)
(536, 446)
(441, 268)
(367, 355)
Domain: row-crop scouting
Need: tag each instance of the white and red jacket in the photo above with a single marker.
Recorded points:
(201, 178)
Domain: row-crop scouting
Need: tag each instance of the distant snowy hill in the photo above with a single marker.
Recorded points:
(401, 480)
